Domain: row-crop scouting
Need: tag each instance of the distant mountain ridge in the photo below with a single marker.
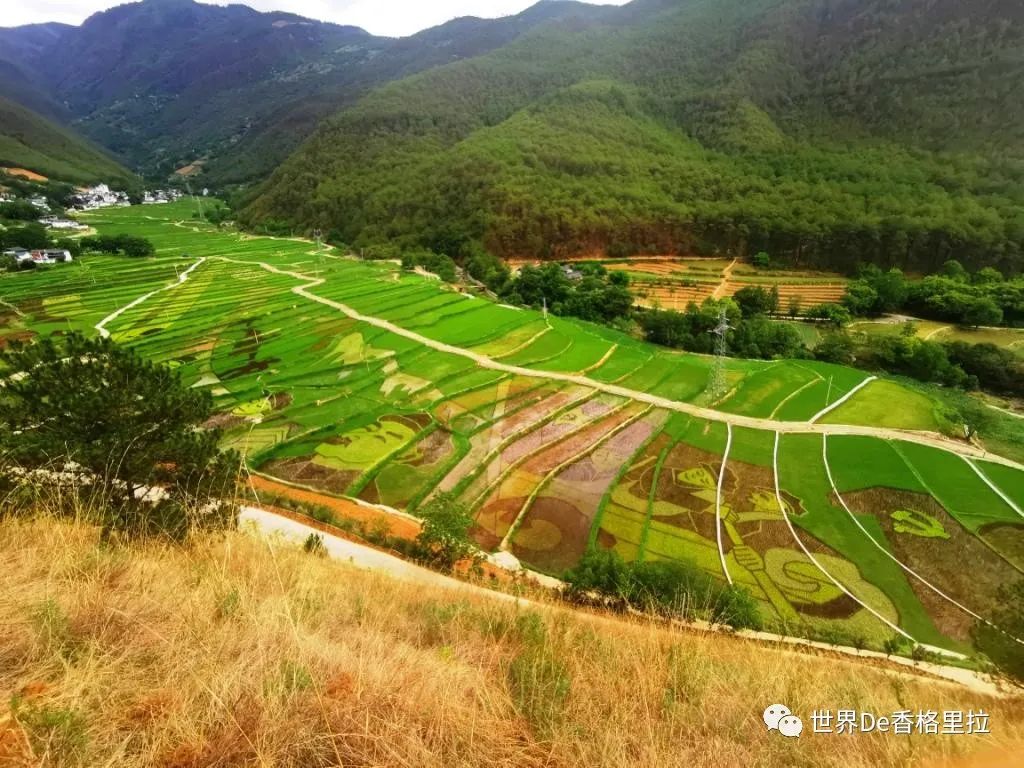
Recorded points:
(164, 82)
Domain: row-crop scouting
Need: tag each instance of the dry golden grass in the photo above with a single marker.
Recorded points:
(235, 653)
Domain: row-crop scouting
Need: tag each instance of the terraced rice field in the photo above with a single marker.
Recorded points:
(355, 379)
(675, 283)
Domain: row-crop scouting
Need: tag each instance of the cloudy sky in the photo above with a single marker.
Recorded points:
(381, 17)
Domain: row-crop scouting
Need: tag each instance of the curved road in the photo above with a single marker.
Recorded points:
(366, 558)
(708, 414)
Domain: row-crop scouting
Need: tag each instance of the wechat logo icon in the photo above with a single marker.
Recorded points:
(778, 718)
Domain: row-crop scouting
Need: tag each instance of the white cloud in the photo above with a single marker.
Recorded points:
(382, 17)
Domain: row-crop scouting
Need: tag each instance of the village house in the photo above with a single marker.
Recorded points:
(55, 223)
(45, 256)
(571, 273)
(18, 254)
(159, 196)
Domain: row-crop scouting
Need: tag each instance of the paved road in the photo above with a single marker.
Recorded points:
(367, 558)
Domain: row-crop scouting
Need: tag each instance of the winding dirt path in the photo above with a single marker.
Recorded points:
(786, 427)
(101, 326)
(708, 414)
(722, 287)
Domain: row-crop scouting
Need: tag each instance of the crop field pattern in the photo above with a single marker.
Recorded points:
(357, 379)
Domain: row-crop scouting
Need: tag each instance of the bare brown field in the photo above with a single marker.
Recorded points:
(25, 174)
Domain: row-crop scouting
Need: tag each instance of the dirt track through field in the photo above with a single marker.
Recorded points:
(726, 277)
(786, 427)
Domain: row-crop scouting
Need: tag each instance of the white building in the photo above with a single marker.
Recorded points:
(54, 223)
(100, 196)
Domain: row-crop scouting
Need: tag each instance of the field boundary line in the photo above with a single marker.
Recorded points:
(813, 559)
(890, 555)
(718, 501)
(708, 414)
(829, 408)
(101, 326)
(624, 469)
(812, 383)
(604, 359)
(504, 474)
(659, 465)
(937, 331)
(525, 345)
(996, 489)
(550, 476)
(495, 453)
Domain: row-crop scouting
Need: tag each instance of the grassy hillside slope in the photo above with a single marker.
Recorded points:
(826, 131)
(30, 141)
(234, 653)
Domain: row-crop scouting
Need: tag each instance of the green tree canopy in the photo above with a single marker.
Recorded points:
(124, 427)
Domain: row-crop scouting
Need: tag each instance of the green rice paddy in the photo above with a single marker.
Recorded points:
(550, 466)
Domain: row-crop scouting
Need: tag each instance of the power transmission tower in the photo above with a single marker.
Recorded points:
(719, 380)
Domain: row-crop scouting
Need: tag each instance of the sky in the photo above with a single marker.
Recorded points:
(381, 17)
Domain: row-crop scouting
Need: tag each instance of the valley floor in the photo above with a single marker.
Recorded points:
(833, 497)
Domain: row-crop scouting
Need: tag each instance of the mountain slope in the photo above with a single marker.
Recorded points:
(20, 47)
(165, 82)
(230, 652)
(28, 140)
(825, 131)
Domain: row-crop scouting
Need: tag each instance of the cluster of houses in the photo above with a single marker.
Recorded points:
(99, 196)
(45, 256)
(159, 196)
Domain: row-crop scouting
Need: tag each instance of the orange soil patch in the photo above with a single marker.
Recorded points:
(464, 569)
(25, 174)
(396, 525)
(190, 170)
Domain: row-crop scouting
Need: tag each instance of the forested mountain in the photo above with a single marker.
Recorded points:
(20, 48)
(28, 140)
(824, 131)
(164, 82)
